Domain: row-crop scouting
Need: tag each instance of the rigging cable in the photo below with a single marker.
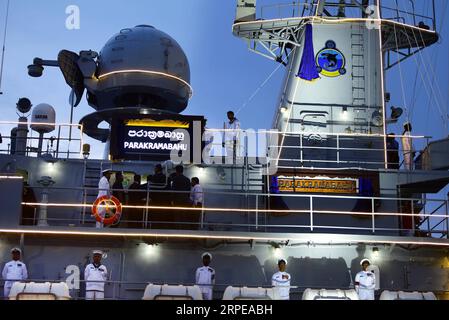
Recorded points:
(261, 86)
(431, 77)
(401, 76)
(435, 58)
(429, 82)
(4, 45)
(436, 92)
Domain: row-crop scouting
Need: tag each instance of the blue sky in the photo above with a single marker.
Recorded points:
(224, 73)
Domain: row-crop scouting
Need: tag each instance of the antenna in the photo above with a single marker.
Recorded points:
(4, 45)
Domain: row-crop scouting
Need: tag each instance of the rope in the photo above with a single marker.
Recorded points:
(400, 72)
(421, 74)
(434, 76)
(262, 85)
(434, 92)
(4, 45)
(412, 108)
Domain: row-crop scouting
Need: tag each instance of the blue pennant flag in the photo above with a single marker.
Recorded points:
(307, 69)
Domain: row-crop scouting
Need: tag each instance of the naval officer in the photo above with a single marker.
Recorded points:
(407, 146)
(281, 281)
(365, 281)
(205, 277)
(104, 189)
(95, 276)
(232, 138)
(14, 271)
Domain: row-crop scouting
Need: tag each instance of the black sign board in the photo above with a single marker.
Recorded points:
(156, 137)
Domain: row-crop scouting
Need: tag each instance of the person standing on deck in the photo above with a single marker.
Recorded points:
(95, 275)
(14, 271)
(232, 138)
(281, 281)
(407, 147)
(104, 189)
(205, 277)
(365, 281)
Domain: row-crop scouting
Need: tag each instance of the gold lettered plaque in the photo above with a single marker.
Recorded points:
(318, 185)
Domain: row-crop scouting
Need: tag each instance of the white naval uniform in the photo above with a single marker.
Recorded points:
(13, 270)
(104, 189)
(280, 280)
(196, 195)
(408, 150)
(365, 284)
(232, 135)
(205, 276)
(95, 290)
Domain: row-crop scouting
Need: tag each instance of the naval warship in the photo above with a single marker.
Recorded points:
(320, 189)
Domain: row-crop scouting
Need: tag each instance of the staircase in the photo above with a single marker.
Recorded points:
(413, 207)
(254, 177)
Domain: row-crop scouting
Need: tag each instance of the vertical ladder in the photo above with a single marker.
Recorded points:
(91, 177)
(358, 71)
(254, 183)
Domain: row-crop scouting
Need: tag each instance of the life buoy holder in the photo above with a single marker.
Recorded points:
(113, 210)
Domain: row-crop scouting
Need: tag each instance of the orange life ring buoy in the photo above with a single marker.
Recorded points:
(108, 219)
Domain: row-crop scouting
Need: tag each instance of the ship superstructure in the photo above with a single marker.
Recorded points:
(324, 195)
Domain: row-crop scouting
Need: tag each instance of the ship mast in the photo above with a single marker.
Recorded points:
(336, 54)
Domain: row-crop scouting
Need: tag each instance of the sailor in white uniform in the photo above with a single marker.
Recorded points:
(365, 281)
(104, 189)
(281, 282)
(205, 277)
(407, 147)
(14, 270)
(232, 138)
(98, 273)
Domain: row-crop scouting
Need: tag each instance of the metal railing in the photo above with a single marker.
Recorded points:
(125, 290)
(62, 145)
(286, 10)
(403, 11)
(407, 215)
(336, 148)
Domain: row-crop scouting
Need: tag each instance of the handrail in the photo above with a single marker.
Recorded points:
(59, 146)
(433, 212)
(258, 212)
(400, 11)
(250, 193)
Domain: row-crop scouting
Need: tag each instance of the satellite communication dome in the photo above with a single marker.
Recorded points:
(43, 118)
(142, 67)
